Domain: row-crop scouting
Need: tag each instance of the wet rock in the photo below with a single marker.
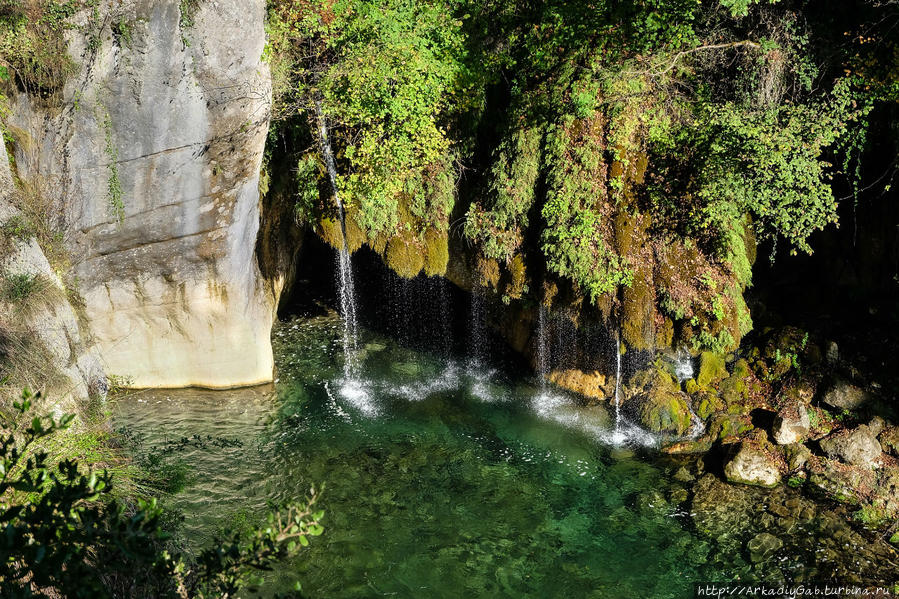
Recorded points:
(858, 447)
(701, 445)
(846, 396)
(683, 475)
(589, 384)
(678, 495)
(752, 466)
(762, 546)
(721, 511)
(791, 425)
(659, 404)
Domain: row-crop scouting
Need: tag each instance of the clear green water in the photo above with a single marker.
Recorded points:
(443, 481)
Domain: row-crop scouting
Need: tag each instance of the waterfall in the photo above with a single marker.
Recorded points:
(344, 264)
(618, 435)
(446, 329)
(476, 326)
(542, 358)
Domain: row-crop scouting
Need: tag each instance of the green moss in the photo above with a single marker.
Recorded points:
(405, 257)
(436, 252)
(518, 281)
(329, 230)
(870, 516)
(707, 405)
(712, 369)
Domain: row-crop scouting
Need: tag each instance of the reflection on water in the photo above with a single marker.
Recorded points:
(441, 480)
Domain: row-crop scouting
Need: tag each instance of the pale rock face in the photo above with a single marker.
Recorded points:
(858, 447)
(179, 119)
(752, 466)
(791, 425)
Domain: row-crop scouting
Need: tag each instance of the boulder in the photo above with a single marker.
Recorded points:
(752, 465)
(797, 456)
(845, 396)
(791, 425)
(858, 447)
(661, 406)
(589, 384)
(840, 481)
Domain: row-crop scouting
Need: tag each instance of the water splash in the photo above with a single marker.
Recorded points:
(683, 366)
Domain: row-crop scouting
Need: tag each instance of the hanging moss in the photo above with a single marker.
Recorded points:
(436, 252)
(518, 281)
(405, 257)
(329, 231)
(488, 272)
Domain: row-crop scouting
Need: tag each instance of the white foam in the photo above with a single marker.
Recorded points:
(356, 393)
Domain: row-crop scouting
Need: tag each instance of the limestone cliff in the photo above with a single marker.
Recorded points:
(153, 156)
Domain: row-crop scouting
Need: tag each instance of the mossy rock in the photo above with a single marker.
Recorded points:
(664, 411)
(436, 252)
(405, 257)
(728, 427)
(707, 404)
(712, 369)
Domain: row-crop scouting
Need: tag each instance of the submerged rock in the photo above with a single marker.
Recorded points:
(791, 425)
(762, 546)
(846, 396)
(752, 466)
(858, 447)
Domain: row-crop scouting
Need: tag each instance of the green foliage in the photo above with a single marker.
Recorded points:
(32, 44)
(386, 75)
(18, 287)
(65, 535)
(114, 185)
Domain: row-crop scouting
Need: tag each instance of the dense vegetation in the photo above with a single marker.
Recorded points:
(630, 155)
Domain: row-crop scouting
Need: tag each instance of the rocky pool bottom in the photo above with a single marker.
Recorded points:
(447, 479)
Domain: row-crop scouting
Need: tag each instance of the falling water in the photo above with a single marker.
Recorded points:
(618, 435)
(542, 358)
(476, 326)
(344, 264)
(446, 329)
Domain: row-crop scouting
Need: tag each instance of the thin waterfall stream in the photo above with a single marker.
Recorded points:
(618, 436)
(347, 290)
(542, 349)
